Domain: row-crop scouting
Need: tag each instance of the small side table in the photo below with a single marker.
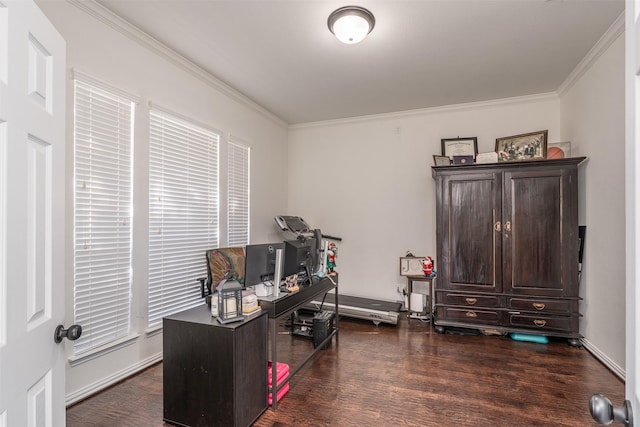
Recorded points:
(410, 280)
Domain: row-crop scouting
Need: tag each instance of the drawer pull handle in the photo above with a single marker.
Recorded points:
(507, 226)
(538, 306)
(471, 314)
(540, 323)
(498, 226)
(471, 301)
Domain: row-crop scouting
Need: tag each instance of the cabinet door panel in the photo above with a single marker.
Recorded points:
(537, 252)
(470, 246)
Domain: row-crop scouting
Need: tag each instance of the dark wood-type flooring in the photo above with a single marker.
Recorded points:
(404, 375)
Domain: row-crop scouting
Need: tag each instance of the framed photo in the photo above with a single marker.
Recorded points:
(559, 150)
(489, 157)
(462, 160)
(411, 266)
(460, 147)
(441, 160)
(528, 146)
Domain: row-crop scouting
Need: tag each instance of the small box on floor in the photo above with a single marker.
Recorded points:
(322, 327)
(282, 372)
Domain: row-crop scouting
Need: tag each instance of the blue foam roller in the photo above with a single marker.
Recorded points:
(540, 339)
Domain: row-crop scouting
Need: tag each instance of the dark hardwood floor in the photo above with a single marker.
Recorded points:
(404, 375)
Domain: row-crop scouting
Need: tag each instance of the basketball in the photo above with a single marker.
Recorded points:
(555, 153)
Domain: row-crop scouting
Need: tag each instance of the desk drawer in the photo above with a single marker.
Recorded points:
(543, 305)
(472, 300)
(543, 323)
(469, 315)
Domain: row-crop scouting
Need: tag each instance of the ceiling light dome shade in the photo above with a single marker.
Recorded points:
(351, 24)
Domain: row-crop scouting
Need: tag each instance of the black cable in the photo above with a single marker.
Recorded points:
(322, 303)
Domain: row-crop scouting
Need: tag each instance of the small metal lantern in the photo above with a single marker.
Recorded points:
(229, 301)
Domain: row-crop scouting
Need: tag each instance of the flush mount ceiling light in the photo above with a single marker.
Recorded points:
(351, 24)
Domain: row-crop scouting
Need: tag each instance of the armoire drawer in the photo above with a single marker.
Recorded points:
(543, 305)
(469, 315)
(471, 300)
(544, 323)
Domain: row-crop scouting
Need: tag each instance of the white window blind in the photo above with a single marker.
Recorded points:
(103, 139)
(238, 194)
(183, 212)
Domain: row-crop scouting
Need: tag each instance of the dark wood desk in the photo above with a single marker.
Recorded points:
(214, 374)
(284, 304)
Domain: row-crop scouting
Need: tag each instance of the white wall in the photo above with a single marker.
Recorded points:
(592, 118)
(97, 49)
(369, 180)
(371, 184)
(366, 180)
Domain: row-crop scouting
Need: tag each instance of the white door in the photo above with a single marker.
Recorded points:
(601, 408)
(632, 199)
(32, 140)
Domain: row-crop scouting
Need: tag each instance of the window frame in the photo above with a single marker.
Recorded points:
(103, 143)
(238, 192)
(173, 278)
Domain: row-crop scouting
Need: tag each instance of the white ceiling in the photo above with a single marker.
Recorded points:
(421, 53)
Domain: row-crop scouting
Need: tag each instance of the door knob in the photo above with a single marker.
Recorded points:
(73, 333)
(603, 411)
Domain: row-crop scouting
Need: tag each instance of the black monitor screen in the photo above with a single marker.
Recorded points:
(260, 264)
(300, 256)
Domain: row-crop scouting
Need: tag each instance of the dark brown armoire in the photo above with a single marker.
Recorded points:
(507, 247)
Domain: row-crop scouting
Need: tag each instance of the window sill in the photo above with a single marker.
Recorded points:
(156, 330)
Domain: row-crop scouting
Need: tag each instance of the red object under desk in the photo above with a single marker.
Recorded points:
(282, 371)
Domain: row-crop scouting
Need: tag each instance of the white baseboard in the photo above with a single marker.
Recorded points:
(615, 368)
(91, 389)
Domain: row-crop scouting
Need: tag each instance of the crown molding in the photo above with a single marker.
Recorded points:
(613, 32)
(611, 35)
(432, 110)
(104, 15)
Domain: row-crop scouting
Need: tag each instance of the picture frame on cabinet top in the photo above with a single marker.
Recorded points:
(441, 160)
(462, 160)
(489, 157)
(526, 146)
(467, 146)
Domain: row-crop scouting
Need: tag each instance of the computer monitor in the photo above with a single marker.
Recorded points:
(300, 255)
(260, 263)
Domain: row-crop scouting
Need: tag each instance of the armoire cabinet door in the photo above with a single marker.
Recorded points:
(469, 232)
(540, 243)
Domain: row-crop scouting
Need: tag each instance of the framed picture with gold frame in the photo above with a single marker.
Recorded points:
(527, 146)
